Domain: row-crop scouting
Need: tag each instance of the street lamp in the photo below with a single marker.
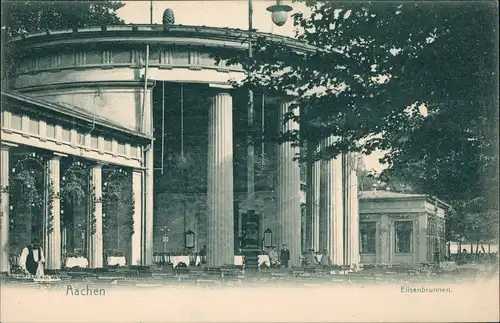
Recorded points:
(279, 13)
(189, 239)
(165, 240)
(268, 238)
(251, 221)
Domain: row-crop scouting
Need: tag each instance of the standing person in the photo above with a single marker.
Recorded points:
(285, 256)
(32, 259)
(310, 259)
(325, 259)
(203, 254)
(273, 257)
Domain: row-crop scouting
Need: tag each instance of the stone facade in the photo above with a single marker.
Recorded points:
(383, 215)
(92, 95)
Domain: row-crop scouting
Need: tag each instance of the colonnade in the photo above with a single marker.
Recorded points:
(52, 232)
(220, 246)
(333, 218)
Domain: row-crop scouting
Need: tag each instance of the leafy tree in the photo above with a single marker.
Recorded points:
(348, 81)
(452, 153)
(33, 16)
(415, 79)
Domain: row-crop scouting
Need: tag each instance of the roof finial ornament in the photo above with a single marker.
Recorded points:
(168, 17)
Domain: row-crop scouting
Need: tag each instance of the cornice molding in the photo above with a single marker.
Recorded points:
(152, 35)
(87, 85)
(24, 102)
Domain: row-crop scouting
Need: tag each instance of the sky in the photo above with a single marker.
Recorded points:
(228, 13)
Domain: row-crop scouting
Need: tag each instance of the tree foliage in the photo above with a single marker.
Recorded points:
(452, 153)
(32, 16)
(416, 79)
(348, 80)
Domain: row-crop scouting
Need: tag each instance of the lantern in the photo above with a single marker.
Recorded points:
(189, 239)
(268, 238)
(279, 13)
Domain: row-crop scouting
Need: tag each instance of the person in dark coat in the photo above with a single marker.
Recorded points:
(285, 256)
(32, 258)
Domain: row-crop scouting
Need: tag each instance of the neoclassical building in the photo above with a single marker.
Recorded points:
(136, 144)
(401, 228)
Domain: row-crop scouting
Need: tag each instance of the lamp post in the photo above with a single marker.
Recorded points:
(165, 240)
(279, 13)
(189, 239)
(268, 238)
(251, 221)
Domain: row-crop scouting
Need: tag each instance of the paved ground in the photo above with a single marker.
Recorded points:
(161, 278)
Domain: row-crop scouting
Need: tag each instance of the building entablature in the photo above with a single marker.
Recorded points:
(391, 202)
(179, 53)
(69, 130)
(67, 114)
(202, 36)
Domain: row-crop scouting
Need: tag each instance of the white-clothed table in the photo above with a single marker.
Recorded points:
(238, 260)
(72, 262)
(185, 259)
(120, 261)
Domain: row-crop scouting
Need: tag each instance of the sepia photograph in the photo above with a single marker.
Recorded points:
(249, 161)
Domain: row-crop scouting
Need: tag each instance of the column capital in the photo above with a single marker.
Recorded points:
(99, 164)
(287, 99)
(219, 89)
(56, 155)
(8, 145)
(219, 92)
(138, 171)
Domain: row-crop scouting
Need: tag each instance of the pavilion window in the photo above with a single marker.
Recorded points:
(50, 131)
(367, 237)
(121, 57)
(121, 148)
(81, 139)
(404, 236)
(134, 151)
(108, 145)
(34, 127)
(16, 122)
(94, 142)
(66, 135)
(94, 58)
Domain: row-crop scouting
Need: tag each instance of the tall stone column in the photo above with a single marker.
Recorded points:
(148, 214)
(220, 244)
(421, 229)
(53, 232)
(315, 200)
(95, 224)
(136, 240)
(4, 209)
(288, 190)
(309, 197)
(331, 206)
(313, 188)
(385, 239)
(351, 211)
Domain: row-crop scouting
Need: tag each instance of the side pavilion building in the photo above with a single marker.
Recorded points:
(122, 139)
